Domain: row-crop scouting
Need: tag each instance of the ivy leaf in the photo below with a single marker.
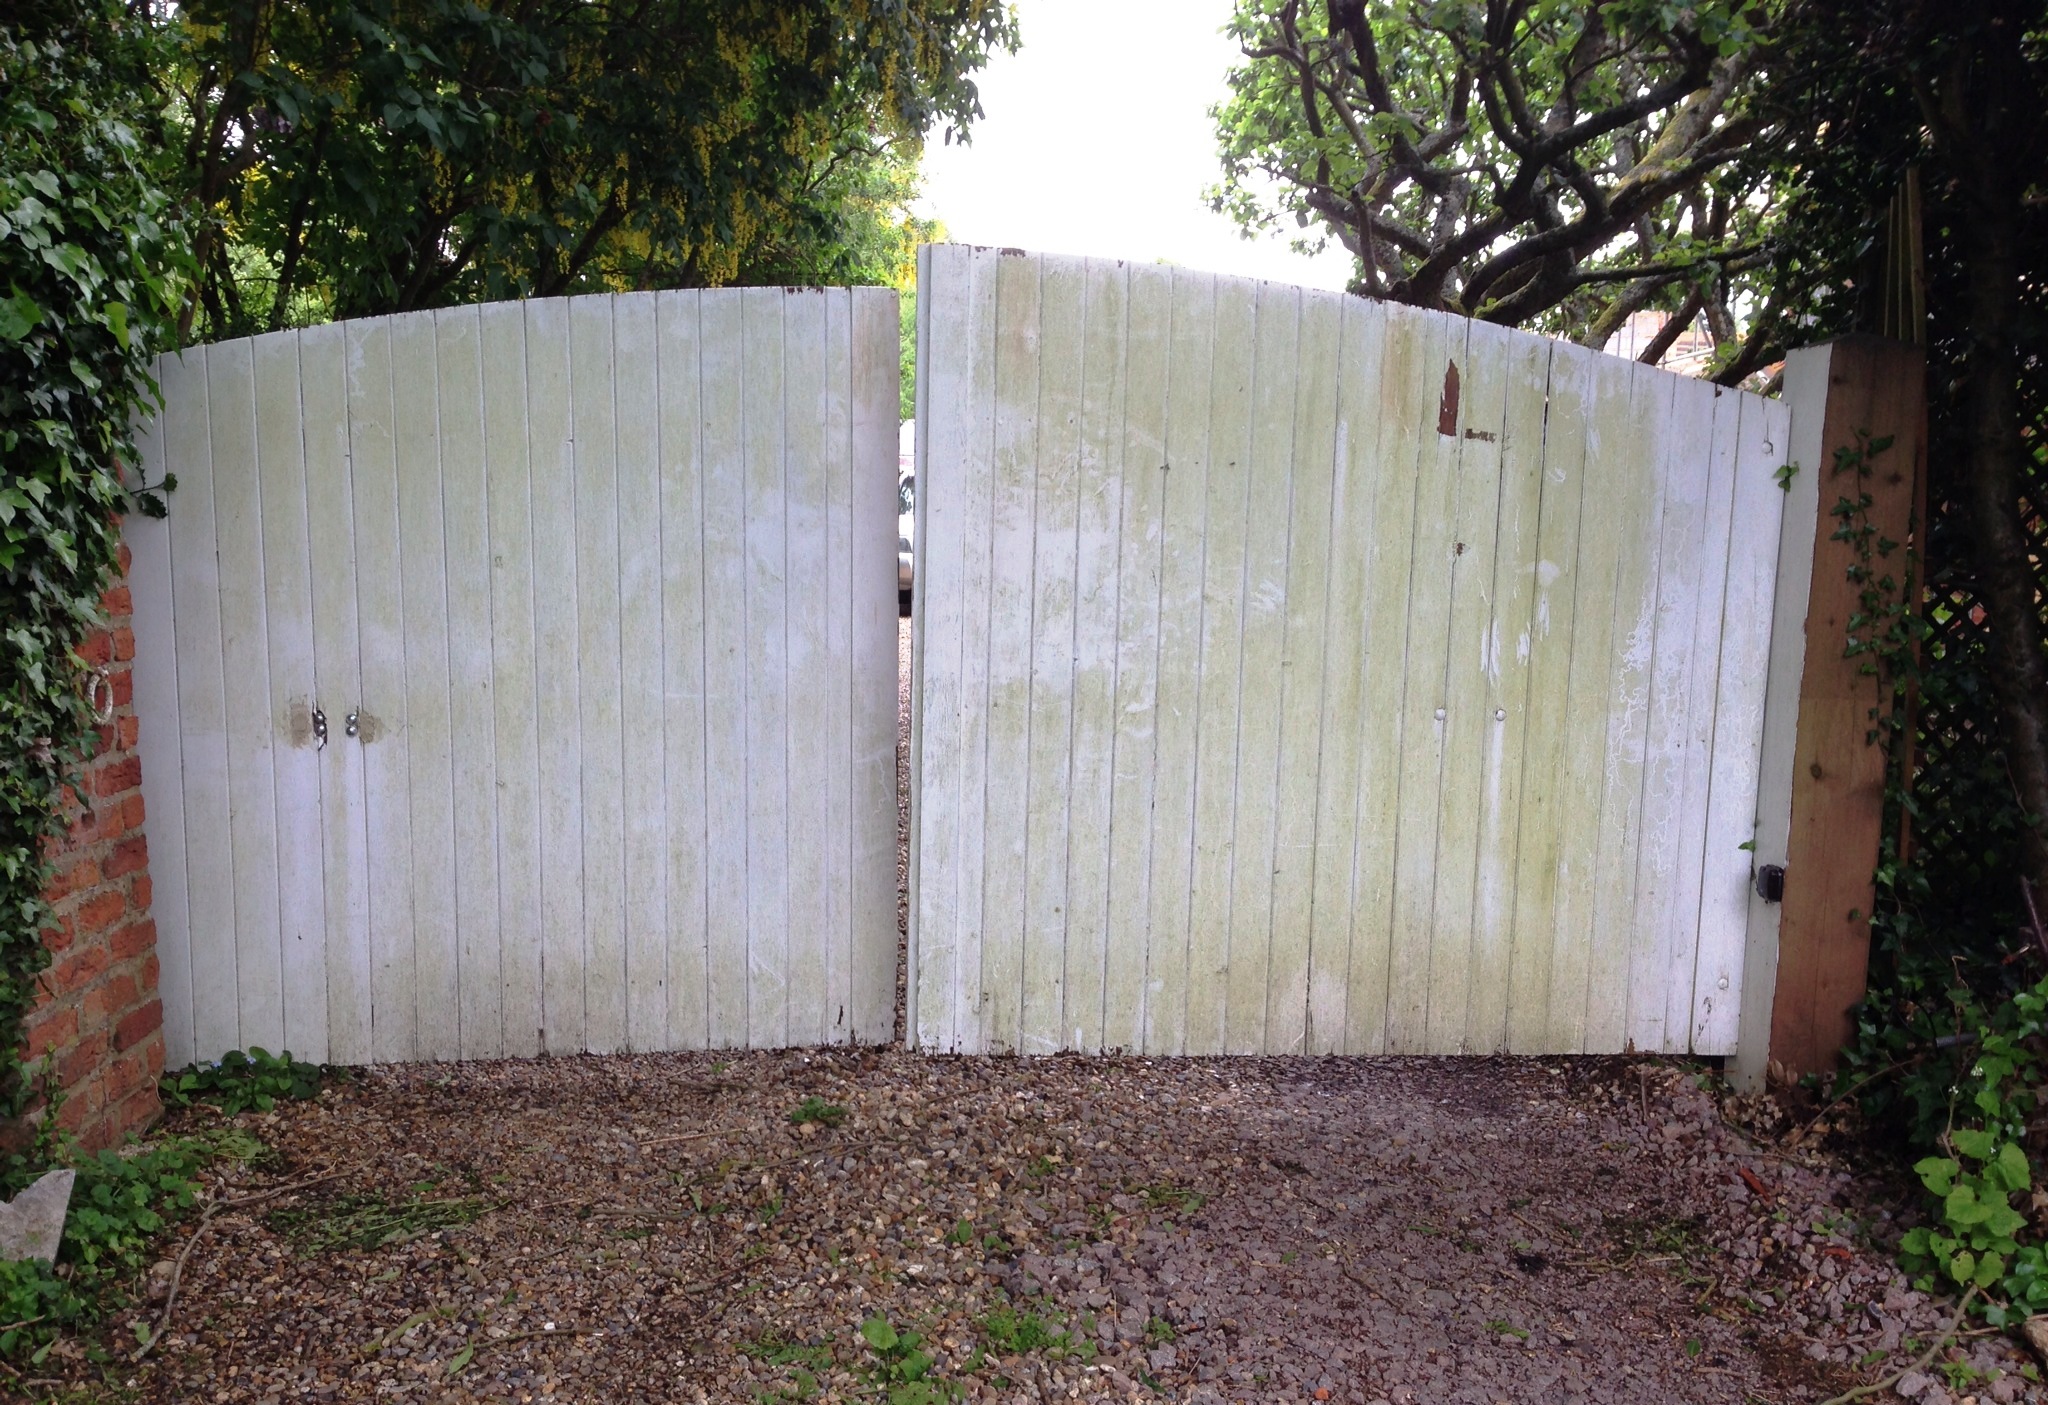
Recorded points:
(117, 322)
(1937, 1173)
(18, 316)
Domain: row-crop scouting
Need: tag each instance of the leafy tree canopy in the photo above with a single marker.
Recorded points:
(353, 157)
(1556, 164)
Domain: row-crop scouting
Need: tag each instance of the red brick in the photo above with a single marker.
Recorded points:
(129, 856)
(127, 730)
(141, 891)
(60, 937)
(114, 776)
(146, 970)
(103, 739)
(124, 556)
(80, 969)
(133, 940)
(97, 647)
(100, 911)
(114, 996)
(138, 1024)
(127, 1073)
(124, 643)
(73, 877)
(118, 601)
(77, 1063)
(133, 1113)
(153, 1050)
(82, 1105)
(131, 812)
(52, 1031)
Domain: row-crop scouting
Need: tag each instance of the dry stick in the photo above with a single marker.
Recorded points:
(205, 1222)
(1926, 1356)
(689, 1137)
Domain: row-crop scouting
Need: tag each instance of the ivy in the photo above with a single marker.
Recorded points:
(90, 264)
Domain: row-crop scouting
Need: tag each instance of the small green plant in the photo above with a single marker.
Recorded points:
(1502, 1328)
(239, 1081)
(1007, 1331)
(804, 1361)
(816, 1109)
(1172, 1199)
(903, 1369)
(961, 1233)
(1159, 1331)
(1041, 1167)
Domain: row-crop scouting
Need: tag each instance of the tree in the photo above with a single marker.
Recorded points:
(1543, 163)
(1957, 93)
(364, 156)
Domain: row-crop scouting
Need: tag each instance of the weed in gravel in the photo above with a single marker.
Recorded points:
(816, 1109)
(1010, 1332)
(240, 1081)
(366, 1222)
(1158, 1332)
(1172, 1199)
(1501, 1328)
(902, 1369)
(960, 1233)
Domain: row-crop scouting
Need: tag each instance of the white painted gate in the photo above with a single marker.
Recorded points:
(595, 598)
(1299, 673)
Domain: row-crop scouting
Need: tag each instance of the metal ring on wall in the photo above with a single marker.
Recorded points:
(99, 695)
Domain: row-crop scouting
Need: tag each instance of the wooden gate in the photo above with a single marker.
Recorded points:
(1300, 673)
(520, 678)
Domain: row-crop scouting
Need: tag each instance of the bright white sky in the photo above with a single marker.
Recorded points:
(1097, 140)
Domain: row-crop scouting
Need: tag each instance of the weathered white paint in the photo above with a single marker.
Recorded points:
(608, 584)
(1257, 713)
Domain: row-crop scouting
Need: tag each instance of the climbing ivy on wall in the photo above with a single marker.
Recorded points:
(91, 255)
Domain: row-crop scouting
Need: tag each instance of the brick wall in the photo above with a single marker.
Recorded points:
(100, 1015)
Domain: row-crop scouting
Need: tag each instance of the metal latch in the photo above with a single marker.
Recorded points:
(319, 729)
(352, 723)
(1770, 883)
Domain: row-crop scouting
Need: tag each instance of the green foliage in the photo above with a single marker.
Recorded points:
(366, 1222)
(355, 157)
(240, 1081)
(1978, 1237)
(90, 251)
(816, 1109)
(1010, 1331)
(120, 1203)
(1556, 165)
(902, 1371)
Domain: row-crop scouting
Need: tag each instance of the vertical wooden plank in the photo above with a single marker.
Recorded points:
(1300, 704)
(805, 397)
(1632, 502)
(337, 683)
(679, 345)
(723, 392)
(288, 622)
(645, 919)
(514, 680)
(1145, 477)
(1408, 398)
(1865, 390)
(767, 642)
(875, 385)
(251, 771)
(1518, 569)
(550, 414)
(466, 546)
(1006, 846)
(157, 686)
(957, 366)
(1469, 723)
(1098, 577)
(1049, 646)
(1262, 617)
(1735, 757)
(423, 550)
(1611, 446)
(1356, 488)
(1218, 673)
(1673, 588)
(1423, 702)
(381, 733)
(598, 647)
(1668, 884)
(842, 842)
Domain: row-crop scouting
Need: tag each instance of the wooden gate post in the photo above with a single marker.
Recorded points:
(1820, 804)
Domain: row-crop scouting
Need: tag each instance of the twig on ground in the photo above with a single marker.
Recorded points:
(198, 1233)
(1861, 1391)
(690, 1136)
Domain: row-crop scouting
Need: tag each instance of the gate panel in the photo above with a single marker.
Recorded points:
(1297, 673)
(593, 598)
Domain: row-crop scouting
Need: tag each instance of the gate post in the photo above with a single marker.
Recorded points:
(1820, 799)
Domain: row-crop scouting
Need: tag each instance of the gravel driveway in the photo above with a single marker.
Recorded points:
(720, 1227)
